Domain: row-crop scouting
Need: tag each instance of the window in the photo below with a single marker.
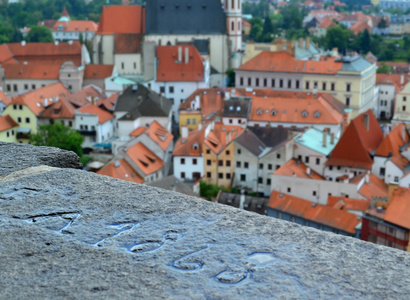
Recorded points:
(241, 81)
(208, 162)
(404, 107)
(122, 65)
(228, 175)
(246, 165)
(19, 120)
(188, 121)
(268, 181)
(171, 89)
(297, 84)
(20, 107)
(239, 151)
(28, 120)
(330, 168)
(269, 166)
(382, 171)
(332, 86)
(228, 163)
(208, 175)
(228, 152)
(314, 193)
(243, 177)
(193, 121)
(194, 161)
(208, 151)
(162, 89)
(260, 180)
(289, 84)
(15, 106)
(238, 164)
(15, 87)
(347, 101)
(289, 189)
(26, 86)
(265, 82)
(135, 65)
(220, 163)
(8, 134)
(273, 82)
(348, 87)
(324, 86)
(182, 161)
(8, 88)
(318, 161)
(33, 86)
(257, 81)
(281, 83)
(396, 178)
(249, 81)
(261, 166)
(306, 159)
(278, 156)
(404, 98)
(277, 167)
(183, 175)
(70, 123)
(307, 85)
(220, 175)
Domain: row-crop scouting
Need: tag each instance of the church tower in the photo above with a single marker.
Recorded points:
(233, 11)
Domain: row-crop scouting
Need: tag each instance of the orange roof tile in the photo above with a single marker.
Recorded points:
(357, 142)
(4, 99)
(398, 209)
(211, 101)
(392, 143)
(108, 103)
(398, 80)
(128, 43)
(321, 14)
(33, 70)
(192, 145)
(400, 161)
(6, 122)
(327, 23)
(298, 169)
(162, 137)
(145, 159)
(103, 115)
(284, 62)
(318, 213)
(35, 100)
(64, 13)
(62, 109)
(170, 68)
(122, 19)
(85, 96)
(299, 109)
(348, 203)
(76, 25)
(120, 169)
(6, 56)
(221, 136)
(98, 71)
(360, 26)
(138, 131)
(376, 187)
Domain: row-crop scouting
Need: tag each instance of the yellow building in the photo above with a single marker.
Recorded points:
(8, 129)
(25, 108)
(190, 119)
(218, 154)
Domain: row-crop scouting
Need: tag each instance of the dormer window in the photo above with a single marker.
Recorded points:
(195, 146)
(273, 112)
(60, 27)
(304, 113)
(317, 114)
(259, 112)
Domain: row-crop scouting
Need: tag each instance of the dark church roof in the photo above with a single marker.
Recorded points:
(185, 17)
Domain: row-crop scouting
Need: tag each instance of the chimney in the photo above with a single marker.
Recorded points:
(332, 138)
(45, 102)
(300, 43)
(227, 95)
(324, 137)
(308, 171)
(180, 54)
(184, 132)
(23, 43)
(366, 120)
(367, 177)
(186, 55)
(56, 43)
(93, 100)
(242, 200)
(117, 163)
(402, 79)
(197, 102)
(70, 42)
(308, 43)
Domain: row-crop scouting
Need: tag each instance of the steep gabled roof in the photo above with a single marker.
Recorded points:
(179, 63)
(318, 213)
(145, 159)
(211, 101)
(62, 109)
(326, 23)
(6, 56)
(108, 103)
(6, 123)
(398, 209)
(358, 143)
(85, 96)
(122, 19)
(392, 143)
(298, 169)
(128, 43)
(103, 115)
(120, 169)
(251, 142)
(221, 136)
(76, 26)
(162, 137)
(191, 145)
(35, 100)
(375, 187)
(398, 80)
(347, 204)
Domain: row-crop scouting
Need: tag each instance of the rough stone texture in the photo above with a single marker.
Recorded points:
(70, 234)
(14, 157)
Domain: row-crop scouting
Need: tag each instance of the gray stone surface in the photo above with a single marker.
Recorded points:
(14, 157)
(69, 234)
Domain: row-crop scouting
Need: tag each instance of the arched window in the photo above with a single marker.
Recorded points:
(233, 25)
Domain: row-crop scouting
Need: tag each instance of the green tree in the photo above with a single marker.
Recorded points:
(337, 37)
(384, 68)
(40, 34)
(268, 30)
(60, 136)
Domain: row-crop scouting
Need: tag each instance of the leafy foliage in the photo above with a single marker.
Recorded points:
(40, 34)
(58, 135)
(209, 190)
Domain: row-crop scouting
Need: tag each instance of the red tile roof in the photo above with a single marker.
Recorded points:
(33, 70)
(327, 23)
(62, 109)
(103, 115)
(145, 159)
(192, 145)
(322, 214)
(375, 187)
(169, 68)
(211, 101)
(398, 209)
(284, 62)
(221, 136)
(6, 123)
(98, 71)
(398, 80)
(357, 142)
(392, 143)
(122, 19)
(76, 25)
(347, 204)
(6, 56)
(34, 100)
(120, 169)
(298, 169)
(108, 103)
(126, 43)
(297, 109)
(85, 96)
(162, 137)
(360, 26)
